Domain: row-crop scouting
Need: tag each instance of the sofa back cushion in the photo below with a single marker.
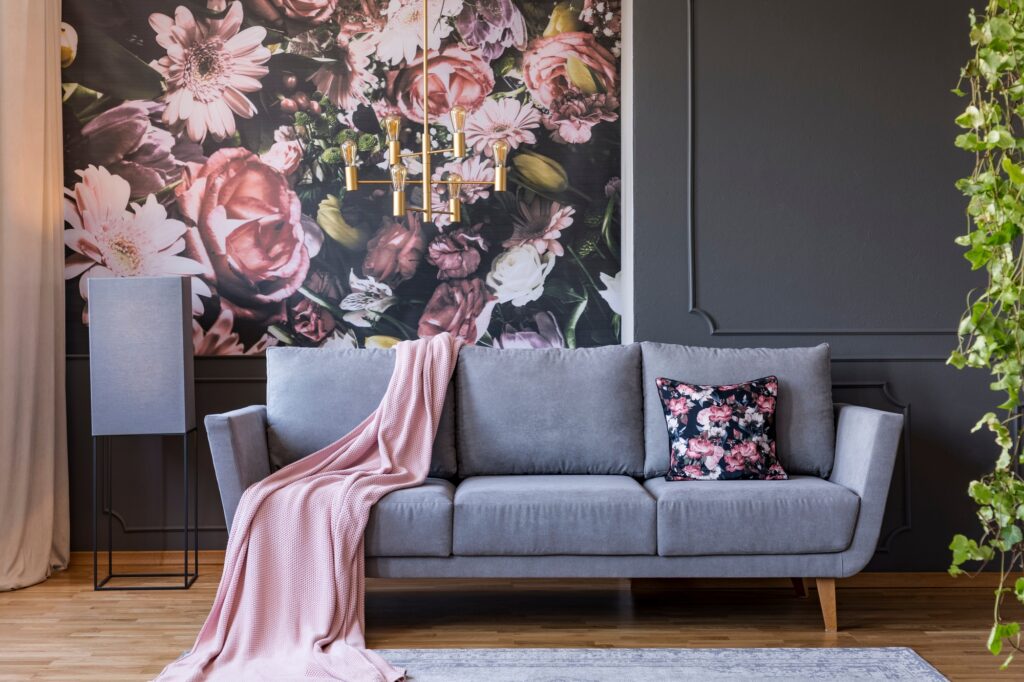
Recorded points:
(804, 418)
(315, 396)
(550, 411)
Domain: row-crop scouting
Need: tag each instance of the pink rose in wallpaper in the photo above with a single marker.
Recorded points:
(576, 79)
(250, 222)
(394, 253)
(203, 140)
(457, 254)
(458, 77)
(458, 307)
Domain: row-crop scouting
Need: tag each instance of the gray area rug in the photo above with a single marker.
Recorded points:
(637, 665)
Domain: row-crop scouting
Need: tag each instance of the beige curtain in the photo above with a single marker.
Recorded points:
(33, 449)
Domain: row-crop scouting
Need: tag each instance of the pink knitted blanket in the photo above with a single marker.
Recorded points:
(290, 602)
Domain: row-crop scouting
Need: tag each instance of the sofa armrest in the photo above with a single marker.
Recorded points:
(238, 443)
(866, 445)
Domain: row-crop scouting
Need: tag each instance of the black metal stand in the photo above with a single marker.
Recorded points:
(187, 577)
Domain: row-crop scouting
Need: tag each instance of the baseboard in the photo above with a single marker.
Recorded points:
(214, 559)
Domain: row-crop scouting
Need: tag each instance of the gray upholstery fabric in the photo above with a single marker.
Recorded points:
(238, 445)
(651, 566)
(315, 396)
(866, 445)
(412, 521)
(551, 411)
(560, 514)
(805, 429)
(804, 515)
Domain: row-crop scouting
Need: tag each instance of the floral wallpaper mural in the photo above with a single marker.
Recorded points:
(203, 139)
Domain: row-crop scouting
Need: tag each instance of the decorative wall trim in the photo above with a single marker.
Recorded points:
(714, 329)
(884, 544)
(128, 529)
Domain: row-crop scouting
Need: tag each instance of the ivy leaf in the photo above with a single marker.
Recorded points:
(980, 493)
(1013, 171)
(1000, 137)
(971, 118)
(995, 640)
(978, 256)
(1010, 536)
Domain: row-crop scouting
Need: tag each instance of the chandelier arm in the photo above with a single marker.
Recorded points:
(420, 209)
(464, 182)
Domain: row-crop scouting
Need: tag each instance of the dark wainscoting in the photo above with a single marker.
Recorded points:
(147, 469)
(794, 187)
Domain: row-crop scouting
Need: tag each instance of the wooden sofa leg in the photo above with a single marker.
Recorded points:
(799, 587)
(827, 597)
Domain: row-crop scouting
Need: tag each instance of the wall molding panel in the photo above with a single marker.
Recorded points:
(714, 328)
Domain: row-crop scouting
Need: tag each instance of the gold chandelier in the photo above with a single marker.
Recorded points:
(400, 172)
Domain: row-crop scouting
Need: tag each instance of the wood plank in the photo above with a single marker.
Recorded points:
(62, 630)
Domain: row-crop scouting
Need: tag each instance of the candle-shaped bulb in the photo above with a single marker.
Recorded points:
(458, 131)
(392, 124)
(348, 155)
(458, 115)
(348, 152)
(399, 173)
(454, 189)
(500, 149)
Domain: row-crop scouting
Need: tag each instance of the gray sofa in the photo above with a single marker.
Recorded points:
(551, 463)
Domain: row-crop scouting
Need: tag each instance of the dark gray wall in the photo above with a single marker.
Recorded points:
(795, 185)
(807, 196)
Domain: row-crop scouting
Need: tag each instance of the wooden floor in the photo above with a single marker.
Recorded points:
(62, 630)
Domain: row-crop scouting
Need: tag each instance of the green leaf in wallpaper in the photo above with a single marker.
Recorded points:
(105, 66)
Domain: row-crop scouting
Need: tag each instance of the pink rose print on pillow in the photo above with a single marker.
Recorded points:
(765, 404)
(721, 432)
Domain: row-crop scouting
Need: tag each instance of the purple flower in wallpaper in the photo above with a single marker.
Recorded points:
(125, 141)
(218, 156)
(493, 26)
(544, 334)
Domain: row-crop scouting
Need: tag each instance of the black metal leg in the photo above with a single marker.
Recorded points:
(106, 501)
(108, 506)
(95, 562)
(195, 510)
(184, 509)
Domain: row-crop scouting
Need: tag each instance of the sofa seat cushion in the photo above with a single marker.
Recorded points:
(412, 522)
(553, 514)
(804, 515)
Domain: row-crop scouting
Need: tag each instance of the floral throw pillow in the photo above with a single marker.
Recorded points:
(721, 432)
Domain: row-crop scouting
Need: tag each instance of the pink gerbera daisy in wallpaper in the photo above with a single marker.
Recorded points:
(107, 240)
(209, 67)
(502, 119)
(540, 223)
(345, 80)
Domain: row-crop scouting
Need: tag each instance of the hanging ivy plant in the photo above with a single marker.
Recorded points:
(992, 329)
